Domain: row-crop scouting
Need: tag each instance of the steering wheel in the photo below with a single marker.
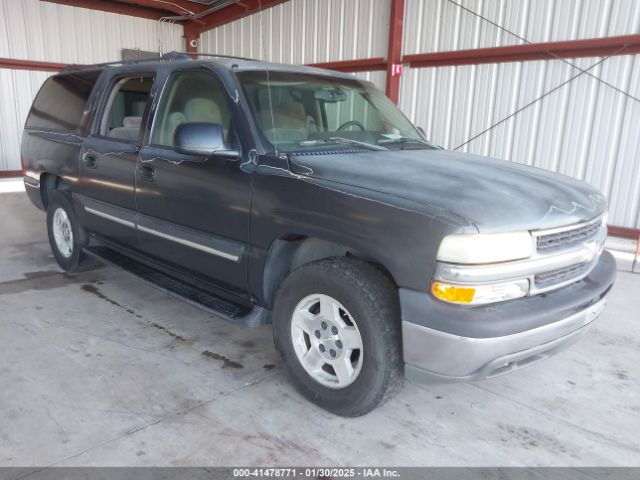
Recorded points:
(351, 123)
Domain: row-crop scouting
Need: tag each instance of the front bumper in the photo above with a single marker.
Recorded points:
(453, 343)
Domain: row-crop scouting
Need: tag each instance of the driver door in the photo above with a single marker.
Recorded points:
(193, 212)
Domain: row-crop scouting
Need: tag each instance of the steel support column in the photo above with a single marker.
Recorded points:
(192, 36)
(394, 52)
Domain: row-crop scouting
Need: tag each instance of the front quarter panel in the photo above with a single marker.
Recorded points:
(401, 235)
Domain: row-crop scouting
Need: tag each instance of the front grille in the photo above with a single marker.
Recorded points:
(561, 275)
(567, 238)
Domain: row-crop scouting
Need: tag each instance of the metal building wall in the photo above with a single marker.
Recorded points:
(19, 88)
(377, 78)
(306, 31)
(442, 25)
(34, 30)
(586, 129)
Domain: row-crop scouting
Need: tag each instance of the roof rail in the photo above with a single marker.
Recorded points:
(89, 66)
(167, 57)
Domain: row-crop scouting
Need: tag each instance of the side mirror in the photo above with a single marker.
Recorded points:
(202, 139)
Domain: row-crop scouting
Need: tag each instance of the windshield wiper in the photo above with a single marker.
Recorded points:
(341, 140)
(407, 140)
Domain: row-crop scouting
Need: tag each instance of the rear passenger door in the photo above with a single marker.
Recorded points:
(194, 215)
(108, 159)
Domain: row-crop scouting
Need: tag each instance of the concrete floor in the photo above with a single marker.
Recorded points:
(101, 369)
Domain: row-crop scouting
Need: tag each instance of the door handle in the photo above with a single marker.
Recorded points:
(89, 160)
(147, 172)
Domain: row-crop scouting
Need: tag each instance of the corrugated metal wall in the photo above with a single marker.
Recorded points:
(442, 25)
(19, 88)
(306, 31)
(34, 30)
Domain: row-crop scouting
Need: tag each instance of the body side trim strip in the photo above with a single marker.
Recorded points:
(98, 213)
(143, 223)
(189, 243)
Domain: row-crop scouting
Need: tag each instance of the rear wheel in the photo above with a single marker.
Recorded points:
(337, 331)
(66, 236)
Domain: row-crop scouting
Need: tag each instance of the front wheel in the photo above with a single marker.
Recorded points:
(337, 331)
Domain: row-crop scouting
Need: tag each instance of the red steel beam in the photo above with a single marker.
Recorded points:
(591, 47)
(177, 7)
(364, 65)
(239, 9)
(31, 65)
(11, 173)
(627, 233)
(623, 231)
(114, 7)
(191, 34)
(394, 51)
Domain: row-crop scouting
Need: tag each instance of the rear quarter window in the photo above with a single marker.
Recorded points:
(61, 102)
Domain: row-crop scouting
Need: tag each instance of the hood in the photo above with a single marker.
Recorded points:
(494, 195)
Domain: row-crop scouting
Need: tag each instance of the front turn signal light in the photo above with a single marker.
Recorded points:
(480, 294)
(453, 293)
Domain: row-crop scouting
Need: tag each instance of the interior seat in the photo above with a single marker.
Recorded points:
(290, 122)
(203, 110)
(129, 130)
(195, 110)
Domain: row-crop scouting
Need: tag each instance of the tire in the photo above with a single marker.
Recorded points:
(364, 298)
(68, 249)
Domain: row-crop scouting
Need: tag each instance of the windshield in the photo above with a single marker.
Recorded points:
(311, 110)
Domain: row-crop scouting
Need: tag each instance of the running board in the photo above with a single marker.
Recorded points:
(209, 302)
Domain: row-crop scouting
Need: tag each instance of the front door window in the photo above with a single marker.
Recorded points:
(195, 96)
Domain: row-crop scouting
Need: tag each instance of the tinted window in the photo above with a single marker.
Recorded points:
(61, 102)
(123, 116)
(194, 96)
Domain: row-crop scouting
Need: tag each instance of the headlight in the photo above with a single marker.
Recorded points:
(480, 294)
(478, 248)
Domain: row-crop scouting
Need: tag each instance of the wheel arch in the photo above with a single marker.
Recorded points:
(289, 252)
(48, 183)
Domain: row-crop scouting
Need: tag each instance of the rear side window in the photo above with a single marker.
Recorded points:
(123, 114)
(61, 102)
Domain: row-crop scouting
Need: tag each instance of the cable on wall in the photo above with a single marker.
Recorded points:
(535, 100)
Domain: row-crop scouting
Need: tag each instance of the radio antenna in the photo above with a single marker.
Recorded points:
(264, 55)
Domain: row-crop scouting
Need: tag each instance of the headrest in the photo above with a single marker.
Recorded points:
(131, 122)
(124, 133)
(292, 109)
(202, 110)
